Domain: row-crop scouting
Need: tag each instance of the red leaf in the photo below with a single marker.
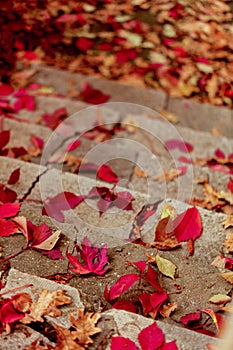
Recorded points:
(151, 337)
(4, 138)
(25, 101)
(121, 286)
(188, 225)
(170, 346)
(191, 319)
(54, 206)
(141, 265)
(7, 228)
(7, 195)
(219, 153)
(8, 210)
(185, 160)
(152, 302)
(93, 96)
(181, 145)
(94, 260)
(53, 254)
(54, 119)
(125, 55)
(230, 185)
(37, 141)
(124, 305)
(8, 314)
(73, 145)
(118, 343)
(84, 44)
(14, 177)
(6, 89)
(152, 278)
(105, 173)
(124, 200)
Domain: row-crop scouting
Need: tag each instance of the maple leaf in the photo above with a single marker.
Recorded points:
(53, 206)
(46, 305)
(14, 177)
(94, 260)
(93, 96)
(85, 326)
(181, 145)
(65, 339)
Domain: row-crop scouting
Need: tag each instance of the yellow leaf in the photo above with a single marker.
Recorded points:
(228, 276)
(165, 266)
(219, 299)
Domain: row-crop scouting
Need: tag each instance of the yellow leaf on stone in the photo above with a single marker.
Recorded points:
(219, 299)
(228, 276)
(166, 267)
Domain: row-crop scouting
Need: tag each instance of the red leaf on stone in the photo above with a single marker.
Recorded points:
(124, 305)
(151, 277)
(181, 145)
(14, 177)
(185, 160)
(151, 337)
(90, 259)
(8, 210)
(152, 302)
(141, 265)
(52, 120)
(53, 206)
(121, 286)
(124, 200)
(84, 44)
(8, 313)
(73, 145)
(170, 346)
(219, 153)
(37, 141)
(4, 138)
(230, 185)
(93, 96)
(7, 228)
(6, 89)
(118, 343)
(187, 225)
(7, 195)
(191, 319)
(25, 101)
(105, 173)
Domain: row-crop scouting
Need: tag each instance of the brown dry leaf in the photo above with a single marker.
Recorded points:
(66, 340)
(169, 175)
(46, 306)
(130, 124)
(228, 222)
(212, 87)
(20, 79)
(38, 345)
(167, 309)
(228, 243)
(22, 301)
(219, 262)
(139, 172)
(84, 326)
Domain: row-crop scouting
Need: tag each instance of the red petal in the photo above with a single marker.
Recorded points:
(7, 228)
(181, 145)
(4, 138)
(188, 225)
(151, 337)
(8, 210)
(119, 343)
(230, 185)
(122, 285)
(14, 177)
(124, 305)
(105, 173)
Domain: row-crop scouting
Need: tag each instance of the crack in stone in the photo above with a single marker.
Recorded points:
(30, 189)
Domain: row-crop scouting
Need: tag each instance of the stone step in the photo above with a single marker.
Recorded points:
(191, 113)
(198, 280)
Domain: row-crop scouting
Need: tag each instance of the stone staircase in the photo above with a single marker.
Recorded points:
(141, 147)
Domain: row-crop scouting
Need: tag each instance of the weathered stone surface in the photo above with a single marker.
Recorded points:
(202, 116)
